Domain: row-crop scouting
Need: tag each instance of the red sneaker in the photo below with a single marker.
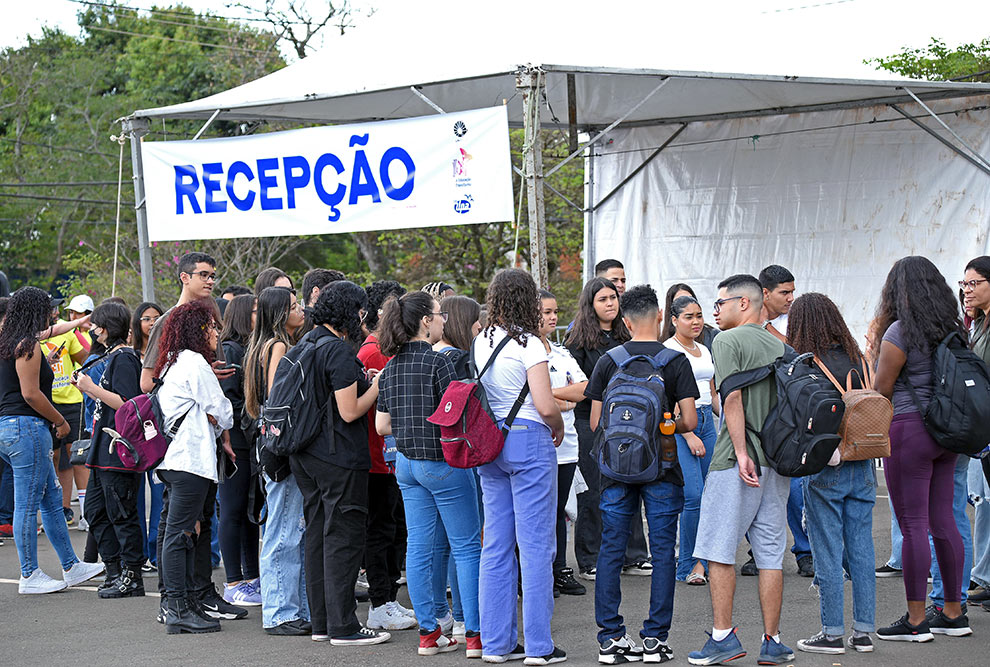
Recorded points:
(6, 530)
(473, 642)
(435, 642)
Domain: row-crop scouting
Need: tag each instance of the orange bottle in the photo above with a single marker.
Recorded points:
(667, 426)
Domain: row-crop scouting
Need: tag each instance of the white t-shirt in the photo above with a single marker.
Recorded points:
(703, 368)
(505, 379)
(564, 370)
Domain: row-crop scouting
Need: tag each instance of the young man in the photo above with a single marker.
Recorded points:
(743, 495)
(663, 497)
(314, 281)
(80, 307)
(612, 269)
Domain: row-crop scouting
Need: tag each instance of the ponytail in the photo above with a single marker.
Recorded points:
(400, 320)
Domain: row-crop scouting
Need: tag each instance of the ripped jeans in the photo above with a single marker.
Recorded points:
(191, 499)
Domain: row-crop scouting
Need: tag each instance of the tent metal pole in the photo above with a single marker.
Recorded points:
(608, 129)
(941, 139)
(572, 131)
(589, 214)
(207, 125)
(641, 167)
(135, 128)
(426, 99)
(950, 130)
(552, 189)
(530, 83)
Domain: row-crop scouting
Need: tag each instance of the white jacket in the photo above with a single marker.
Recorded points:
(190, 384)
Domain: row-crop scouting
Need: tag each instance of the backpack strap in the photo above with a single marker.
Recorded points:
(491, 359)
(744, 379)
(619, 354)
(828, 374)
(520, 399)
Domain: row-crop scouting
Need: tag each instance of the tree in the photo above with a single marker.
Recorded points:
(937, 62)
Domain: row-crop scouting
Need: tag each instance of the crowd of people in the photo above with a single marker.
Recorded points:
(370, 502)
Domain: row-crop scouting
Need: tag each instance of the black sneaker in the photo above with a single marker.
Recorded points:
(862, 644)
(565, 582)
(643, 568)
(518, 653)
(213, 605)
(978, 594)
(749, 568)
(293, 628)
(363, 637)
(588, 574)
(903, 631)
(954, 627)
(806, 566)
(549, 659)
(888, 571)
(821, 643)
(656, 651)
(618, 650)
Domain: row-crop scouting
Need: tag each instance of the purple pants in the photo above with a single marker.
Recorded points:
(920, 481)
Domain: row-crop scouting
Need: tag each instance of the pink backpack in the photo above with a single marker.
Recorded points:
(140, 441)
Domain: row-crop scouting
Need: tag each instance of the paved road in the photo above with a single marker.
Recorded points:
(76, 628)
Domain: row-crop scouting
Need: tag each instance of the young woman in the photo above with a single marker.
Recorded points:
(190, 391)
(694, 449)
(412, 385)
(838, 501)
(568, 382)
(597, 328)
(26, 419)
(332, 471)
(238, 535)
(284, 608)
(675, 291)
(917, 310)
(111, 507)
(520, 485)
(271, 277)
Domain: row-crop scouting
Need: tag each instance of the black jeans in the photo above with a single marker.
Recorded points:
(185, 568)
(239, 536)
(588, 528)
(111, 510)
(383, 568)
(335, 502)
(565, 475)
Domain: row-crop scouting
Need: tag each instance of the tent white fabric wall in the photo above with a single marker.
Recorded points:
(836, 206)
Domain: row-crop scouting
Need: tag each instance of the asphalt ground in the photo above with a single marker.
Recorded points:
(74, 627)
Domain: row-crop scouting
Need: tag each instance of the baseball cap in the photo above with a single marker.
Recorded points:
(56, 301)
(81, 304)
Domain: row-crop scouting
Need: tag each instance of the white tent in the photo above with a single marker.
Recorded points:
(645, 198)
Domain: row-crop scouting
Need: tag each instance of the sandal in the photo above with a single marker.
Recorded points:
(695, 579)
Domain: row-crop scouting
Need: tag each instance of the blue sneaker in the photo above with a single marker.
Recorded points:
(774, 653)
(718, 653)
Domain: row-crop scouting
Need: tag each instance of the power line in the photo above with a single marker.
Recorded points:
(173, 12)
(57, 185)
(181, 41)
(100, 202)
(56, 148)
(186, 24)
(39, 223)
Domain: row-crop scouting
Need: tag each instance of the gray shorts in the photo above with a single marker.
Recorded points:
(730, 510)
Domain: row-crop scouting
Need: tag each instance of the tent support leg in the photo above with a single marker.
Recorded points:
(207, 125)
(949, 129)
(135, 128)
(552, 189)
(641, 167)
(530, 83)
(434, 105)
(589, 215)
(942, 140)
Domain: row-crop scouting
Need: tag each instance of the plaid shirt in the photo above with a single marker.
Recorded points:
(409, 390)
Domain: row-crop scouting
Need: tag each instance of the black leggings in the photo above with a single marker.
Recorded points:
(565, 475)
(238, 536)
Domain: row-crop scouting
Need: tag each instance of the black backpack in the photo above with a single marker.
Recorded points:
(801, 432)
(958, 416)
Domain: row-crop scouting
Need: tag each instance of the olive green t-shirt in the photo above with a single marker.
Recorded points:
(741, 349)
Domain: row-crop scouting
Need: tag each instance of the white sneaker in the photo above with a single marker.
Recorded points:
(362, 581)
(81, 572)
(83, 525)
(399, 609)
(384, 618)
(460, 630)
(38, 583)
(446, 624)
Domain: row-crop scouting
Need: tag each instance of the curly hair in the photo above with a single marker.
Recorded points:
(28, 312)
(586, 332)
(339, 306)
(185, 329)
(513, 304)
(378, 293)
(816, 325)
(916, 295)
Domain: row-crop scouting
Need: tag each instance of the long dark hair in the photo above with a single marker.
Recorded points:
(587, 331)
(916, 295)
(28, 312)
(400, 320)
(668, 328)
(462, 313)
(237, 320)
(513, 305)
(185, 329)
(273, 313)
(137, 334)
(816, 325)
(981, 265)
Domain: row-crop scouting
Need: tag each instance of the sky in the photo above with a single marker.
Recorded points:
(793, 37)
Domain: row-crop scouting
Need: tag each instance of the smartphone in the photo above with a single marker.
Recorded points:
(235, 367)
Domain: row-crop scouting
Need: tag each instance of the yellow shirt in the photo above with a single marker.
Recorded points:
(63, 391)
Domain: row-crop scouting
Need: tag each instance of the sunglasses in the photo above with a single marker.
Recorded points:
(721, 302)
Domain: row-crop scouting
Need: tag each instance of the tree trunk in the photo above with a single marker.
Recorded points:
(371, 250)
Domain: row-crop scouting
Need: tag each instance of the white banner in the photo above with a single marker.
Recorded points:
(449, 169)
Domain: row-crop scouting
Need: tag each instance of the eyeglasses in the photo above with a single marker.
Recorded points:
(722, 302)
(149, 318)
(205, 276)
(969, 284)
(442, 313)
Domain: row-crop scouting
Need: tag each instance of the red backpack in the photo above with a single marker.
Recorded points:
(469, 432)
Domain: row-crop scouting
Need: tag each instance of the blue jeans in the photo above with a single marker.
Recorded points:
(283, 576)
(149, 526)
(695, 470)
(445, 574)
(896, 539)
(6, 493)
(795, 512)
(215, 540)
(438, 497)
(978, 487)
(520, 494)
(619, 502)
(960, 496)
(26, 446)
(838, 506)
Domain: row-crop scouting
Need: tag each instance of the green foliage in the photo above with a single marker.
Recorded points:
(937, 62)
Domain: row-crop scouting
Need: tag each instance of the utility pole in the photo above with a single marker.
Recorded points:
(530, 82)
(135, 129)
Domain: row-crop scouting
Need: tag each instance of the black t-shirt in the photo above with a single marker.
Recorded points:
(12, 403)
(587, 359)
(347, 447)
(122, 376)
(839, 364)
(678, 380)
